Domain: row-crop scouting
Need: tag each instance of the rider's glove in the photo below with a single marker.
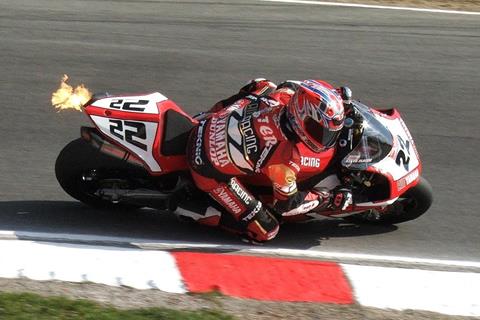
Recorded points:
(303, 202)
(259, 86)
(341, 198)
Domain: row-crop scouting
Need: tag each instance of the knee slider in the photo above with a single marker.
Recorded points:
(261, 225)
(252, 213)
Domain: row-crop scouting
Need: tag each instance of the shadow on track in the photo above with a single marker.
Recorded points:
(72, 217)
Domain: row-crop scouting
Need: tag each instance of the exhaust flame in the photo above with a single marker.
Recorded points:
(68, 98)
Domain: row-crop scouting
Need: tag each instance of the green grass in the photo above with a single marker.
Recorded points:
(27, 306)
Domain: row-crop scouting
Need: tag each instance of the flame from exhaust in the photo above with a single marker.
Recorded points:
(68, 98)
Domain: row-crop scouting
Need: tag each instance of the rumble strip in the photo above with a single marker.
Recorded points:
(245, 276)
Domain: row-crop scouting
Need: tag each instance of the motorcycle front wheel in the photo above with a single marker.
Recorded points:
(411, 205)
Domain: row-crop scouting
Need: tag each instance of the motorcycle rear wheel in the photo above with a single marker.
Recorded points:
(74, 161)
(411, 205)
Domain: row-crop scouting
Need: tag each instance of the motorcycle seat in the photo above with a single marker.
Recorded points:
(176, 129)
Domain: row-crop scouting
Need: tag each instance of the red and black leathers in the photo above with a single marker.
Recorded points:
(248, 134)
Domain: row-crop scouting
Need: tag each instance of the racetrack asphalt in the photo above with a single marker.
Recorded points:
(196, 52)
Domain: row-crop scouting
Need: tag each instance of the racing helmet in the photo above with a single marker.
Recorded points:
(316, 114)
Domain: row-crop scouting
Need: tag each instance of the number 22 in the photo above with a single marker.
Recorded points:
(117, 129)
(402, 158)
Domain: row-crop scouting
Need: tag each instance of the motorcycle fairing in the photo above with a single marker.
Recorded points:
(403, 163)
(138, 124)
(144, 104)
(141, 141)
(384, 147)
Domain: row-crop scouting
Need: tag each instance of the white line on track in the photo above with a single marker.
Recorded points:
(369, 6)
(154, 244)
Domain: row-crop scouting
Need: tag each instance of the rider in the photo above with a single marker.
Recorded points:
(255, 132)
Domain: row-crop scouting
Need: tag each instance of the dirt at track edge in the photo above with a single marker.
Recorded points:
(127, 298)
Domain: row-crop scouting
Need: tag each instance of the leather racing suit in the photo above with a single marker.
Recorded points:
(248, 134)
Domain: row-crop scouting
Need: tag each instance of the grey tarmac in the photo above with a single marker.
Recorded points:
(196, 52)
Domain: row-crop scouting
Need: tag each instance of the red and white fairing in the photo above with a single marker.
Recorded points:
(402, 166)
(136, 123)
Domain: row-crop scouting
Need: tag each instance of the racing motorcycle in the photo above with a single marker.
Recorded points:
(135, 156)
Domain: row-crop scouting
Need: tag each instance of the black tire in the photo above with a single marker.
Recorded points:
(77, 158)
(411, 205)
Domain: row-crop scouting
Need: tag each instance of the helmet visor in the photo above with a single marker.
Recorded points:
(322, 136)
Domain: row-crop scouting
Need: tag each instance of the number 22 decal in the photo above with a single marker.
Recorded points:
(128, 105)
(119, 130)
(403, 158)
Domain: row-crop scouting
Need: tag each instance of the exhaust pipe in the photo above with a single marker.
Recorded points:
(141, 197)
(162, 200)
(95, 139)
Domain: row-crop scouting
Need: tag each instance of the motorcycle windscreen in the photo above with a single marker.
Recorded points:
(374, 145)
